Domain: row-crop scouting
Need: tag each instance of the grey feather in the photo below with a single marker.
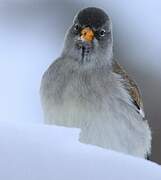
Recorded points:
(91, 96)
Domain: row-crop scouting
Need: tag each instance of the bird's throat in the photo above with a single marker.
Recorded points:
(82, 55)
(85, 54)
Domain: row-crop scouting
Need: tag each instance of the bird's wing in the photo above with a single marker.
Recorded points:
(131, 87)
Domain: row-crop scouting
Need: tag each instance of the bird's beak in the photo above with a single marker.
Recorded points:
(87, 34)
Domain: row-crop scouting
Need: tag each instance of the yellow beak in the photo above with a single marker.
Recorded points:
(87, 34)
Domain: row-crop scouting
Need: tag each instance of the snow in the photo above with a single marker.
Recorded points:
(40, 152)
(31, 34)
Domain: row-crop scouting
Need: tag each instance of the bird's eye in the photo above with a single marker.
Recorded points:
(76, 27)
(102, 32)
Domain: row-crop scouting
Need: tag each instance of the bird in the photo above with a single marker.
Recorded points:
(86, 88)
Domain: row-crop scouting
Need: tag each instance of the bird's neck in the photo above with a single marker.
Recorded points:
(91, 61)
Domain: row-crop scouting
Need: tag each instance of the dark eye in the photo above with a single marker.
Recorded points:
(102, 32)
(76, 27)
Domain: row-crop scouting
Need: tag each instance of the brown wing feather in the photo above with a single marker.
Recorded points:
(130, 84)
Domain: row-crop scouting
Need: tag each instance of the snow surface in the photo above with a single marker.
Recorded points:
(37, 152)
(29, 43)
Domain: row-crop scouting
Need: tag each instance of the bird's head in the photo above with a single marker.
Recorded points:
(89, 39)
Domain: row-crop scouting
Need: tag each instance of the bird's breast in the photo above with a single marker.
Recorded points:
(71, 99)
(101, 110)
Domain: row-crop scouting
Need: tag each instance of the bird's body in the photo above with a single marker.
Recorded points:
(95, 94)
